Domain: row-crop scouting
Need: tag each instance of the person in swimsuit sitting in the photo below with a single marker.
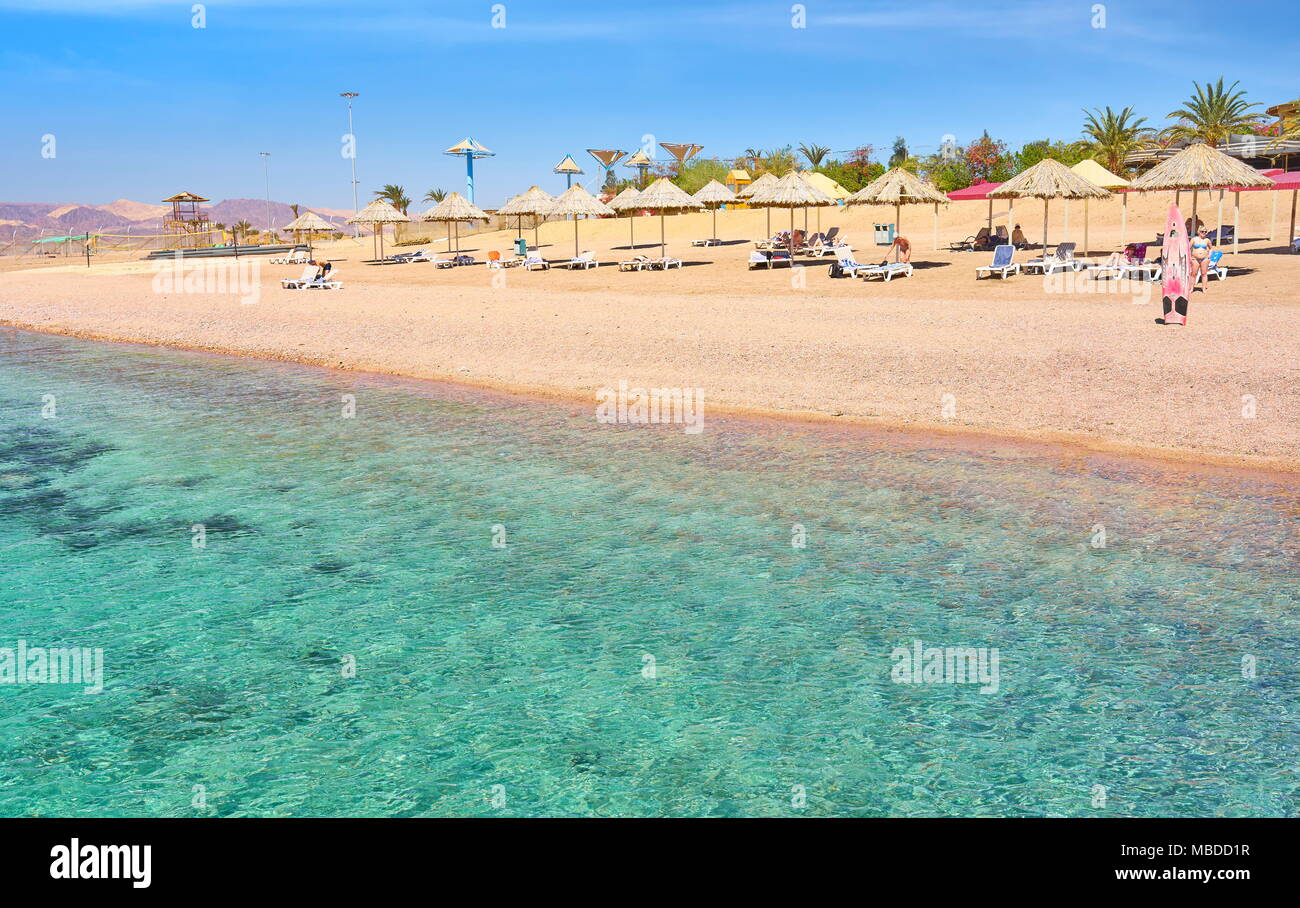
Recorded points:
(1200, 250)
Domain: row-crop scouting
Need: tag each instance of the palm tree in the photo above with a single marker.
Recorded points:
(1114, 136)
(1213, 114)
(395, 195)
(242, 229)
(815, 154)
(435, 195)
(753, 154)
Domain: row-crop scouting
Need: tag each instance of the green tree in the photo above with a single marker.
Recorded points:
(815, 154)
(435, 195)
(395, 195)
(695, 173)
(1114, 136)
(1212, 114)
(243, 229)
(988, 159)
(899, 154)
(779, 161)
(1068, 153)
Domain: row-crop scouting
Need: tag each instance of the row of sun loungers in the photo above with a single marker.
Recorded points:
(1130, 264)
(297, 257)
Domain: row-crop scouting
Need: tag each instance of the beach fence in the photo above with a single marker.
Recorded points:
(428, 232)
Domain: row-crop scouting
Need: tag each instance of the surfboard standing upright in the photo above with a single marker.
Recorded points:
(1176, 286)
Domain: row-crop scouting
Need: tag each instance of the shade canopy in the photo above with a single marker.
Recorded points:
(468, 146)
(309, 220)
(1200, 167)
(1048, 179)
(976, 192)
(713, 193)
(824, 183)
(665, 196)
(380, 211)
(791, 191)
(578, 201)
(568, 165)
(897, 186)
(534, 201)
(454, 207)
(1094, 173)
(627, 200)
(758, 185)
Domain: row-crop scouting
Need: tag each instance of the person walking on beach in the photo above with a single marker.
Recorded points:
(1201, 247)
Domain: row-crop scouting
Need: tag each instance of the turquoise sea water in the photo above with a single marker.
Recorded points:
(648, 641)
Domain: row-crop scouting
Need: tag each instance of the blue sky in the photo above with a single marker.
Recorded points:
(142, 104)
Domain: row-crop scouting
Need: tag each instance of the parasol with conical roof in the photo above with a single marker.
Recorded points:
(641, 161)
(627, 200)
(664, 196)
(577, 202)
(714, 195)
(791, 191)
(1097, 175)
(308, 222)
(761, 184)
(1048, 179)
(827, 185)
(452, 210)
(1200, 167)
(898, 187)
(377, 214)
(536, 202)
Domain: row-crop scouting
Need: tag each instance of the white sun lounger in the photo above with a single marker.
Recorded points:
(330, 283)
(886, 272)
(1001, 264)
(666, 262)
(290, 283)
(584, 261)
(536, 262)
(638, 263)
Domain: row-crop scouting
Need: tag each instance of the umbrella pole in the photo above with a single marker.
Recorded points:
(715, 219)
(898, 226)
(990, 214)
(663, 243)
(1219, 227)
(1236, 223)
(575, 233)
(1290, 235)
(769, 221)
(631, 235)
(1011, 222)
(936, 226)
(1044, 230)
(1195, 193)
(1123, 222)
(1085, 228)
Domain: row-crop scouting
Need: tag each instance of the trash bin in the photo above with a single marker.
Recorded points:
(884, 234)
(521, 246)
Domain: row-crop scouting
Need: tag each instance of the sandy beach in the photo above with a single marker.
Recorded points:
(1064, 360)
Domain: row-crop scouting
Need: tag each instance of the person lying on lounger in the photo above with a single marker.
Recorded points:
(322, 270)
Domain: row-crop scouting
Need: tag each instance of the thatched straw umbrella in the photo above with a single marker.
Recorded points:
(536, 202)
(1048, 179)
(1097, 175)
(508, 210)
(1200, 167)
(377, 214)
(762, 184)
(714, 195)
(452, 210)
(577, 201)
(664, 196)
(308, 222)
(791, 191)
(820, 181)
(627, 200)
(899, 187)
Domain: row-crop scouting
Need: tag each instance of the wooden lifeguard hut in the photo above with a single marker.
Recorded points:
(186, 226)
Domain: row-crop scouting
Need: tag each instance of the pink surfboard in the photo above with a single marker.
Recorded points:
(1176, 287)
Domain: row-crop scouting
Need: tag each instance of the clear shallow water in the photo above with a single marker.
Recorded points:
(522, 667)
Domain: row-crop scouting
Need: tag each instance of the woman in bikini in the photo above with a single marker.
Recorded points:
(1200, 250)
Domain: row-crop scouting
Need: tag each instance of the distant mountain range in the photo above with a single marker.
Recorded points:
(22, 220)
